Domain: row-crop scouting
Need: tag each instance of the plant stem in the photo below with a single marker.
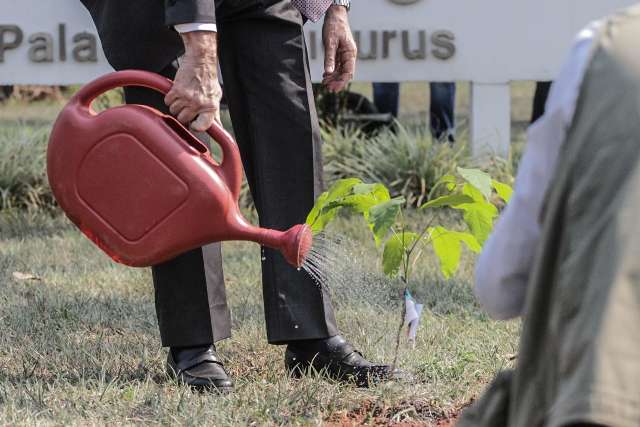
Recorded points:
(399, 334)
(405, 280)
(406, 269)
(422, 234)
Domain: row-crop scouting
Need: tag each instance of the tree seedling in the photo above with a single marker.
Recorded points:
(471, 192)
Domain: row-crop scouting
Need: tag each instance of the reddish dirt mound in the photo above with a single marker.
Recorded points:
(404, 414)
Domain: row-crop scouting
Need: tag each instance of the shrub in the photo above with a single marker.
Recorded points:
(23, 159)
(407, 162)
(23, 173)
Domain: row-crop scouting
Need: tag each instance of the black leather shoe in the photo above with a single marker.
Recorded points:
(338, 359)
(199, 367)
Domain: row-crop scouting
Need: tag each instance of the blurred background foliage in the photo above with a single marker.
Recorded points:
(404, 157)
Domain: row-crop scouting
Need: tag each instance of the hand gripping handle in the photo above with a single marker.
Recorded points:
(231, 165)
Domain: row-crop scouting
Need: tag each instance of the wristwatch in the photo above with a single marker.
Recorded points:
(345, 3)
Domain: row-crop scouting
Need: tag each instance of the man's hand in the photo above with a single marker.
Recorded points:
(196, 91)
(339, 49)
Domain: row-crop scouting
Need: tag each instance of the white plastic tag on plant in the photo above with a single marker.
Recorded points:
(412, 315)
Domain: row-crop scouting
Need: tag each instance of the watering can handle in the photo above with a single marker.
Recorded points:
(231, 165)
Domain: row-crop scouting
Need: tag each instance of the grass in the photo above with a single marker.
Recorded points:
(79, 343)
(23, 177)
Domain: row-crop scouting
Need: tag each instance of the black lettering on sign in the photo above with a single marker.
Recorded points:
(10, 38)
(62, 37)
(421, 52)
(444, 44)
(41, 49)
(373, 46)
(387, 36)
(85, 49)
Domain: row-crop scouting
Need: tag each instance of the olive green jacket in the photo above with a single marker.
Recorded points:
(579, 358)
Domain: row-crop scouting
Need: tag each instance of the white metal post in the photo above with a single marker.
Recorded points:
(490, 130)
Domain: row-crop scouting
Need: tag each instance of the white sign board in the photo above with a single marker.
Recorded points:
(28, 27)
(487, 42)
(496, 41)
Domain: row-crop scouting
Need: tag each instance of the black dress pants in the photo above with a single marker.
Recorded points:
(268, 89)
(540, 100)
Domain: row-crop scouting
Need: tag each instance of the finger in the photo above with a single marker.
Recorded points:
(204, 121)
(331, 47)
(334, 82)
(341, 83)
(348, 63)
(336, 86)
(336, 71)
(217, 117)
(186, 116)
(331, 81)
(171, 97)
(342, 80)
(329, 78)
(177, 106)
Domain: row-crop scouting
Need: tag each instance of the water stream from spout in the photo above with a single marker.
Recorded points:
(343, 268)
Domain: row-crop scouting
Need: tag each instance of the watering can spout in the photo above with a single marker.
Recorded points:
(294, 244)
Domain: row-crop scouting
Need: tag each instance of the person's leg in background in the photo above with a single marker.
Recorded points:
(540, 100)
(386, 97)
(442, 111)
(189, 290)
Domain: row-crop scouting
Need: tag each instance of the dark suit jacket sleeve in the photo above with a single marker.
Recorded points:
(186, 11)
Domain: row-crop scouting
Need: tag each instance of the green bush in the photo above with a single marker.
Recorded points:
(23, 173)
(23, 159)
(408, 162)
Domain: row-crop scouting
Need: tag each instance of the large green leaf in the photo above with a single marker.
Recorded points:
(479, 218)
(446, 179)
(473, 192)
(383, 216)
(447, 247)
(312, 218)
(379, 191)
(323, 219)
(394, 252)
(471, 242)
(449, 180)
(322, 213)
(451, 200)
(360, 203)
(480, 180)
(504, 191)
(341, 188)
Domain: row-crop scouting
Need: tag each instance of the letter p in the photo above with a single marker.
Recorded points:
(10, 38)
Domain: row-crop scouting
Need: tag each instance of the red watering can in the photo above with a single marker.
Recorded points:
(145, 189)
